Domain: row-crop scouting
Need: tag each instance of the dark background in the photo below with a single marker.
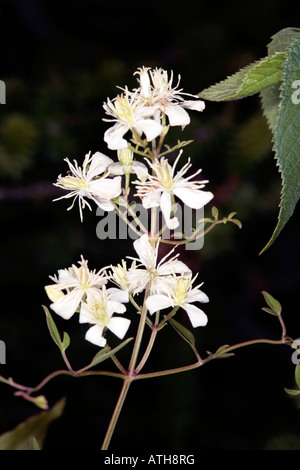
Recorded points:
(60, 61)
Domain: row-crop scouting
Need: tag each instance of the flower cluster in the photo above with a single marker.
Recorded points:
(78, 289)
(141, 110)
(146, 113)
(170, 281)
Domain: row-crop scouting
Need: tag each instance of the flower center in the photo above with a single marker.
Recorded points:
(83, 276)
(181, 288)
(72, 183)
(123, 110)
(164, 173)
(119, 276)
(99, 310)
(160, 81)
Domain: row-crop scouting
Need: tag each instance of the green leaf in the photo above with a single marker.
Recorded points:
(183, 332)
(246, 82)
(62, 344)
(275, 306)
(269, 310)
(32, 431)
(297, 375)
(66, 341)
(52, 328)
(282, 40)
(106, 352)
(33, 444)
(221, 349)
(287, 139)
(292, 392)
(221, 352)
(214, 212)
(270, 99)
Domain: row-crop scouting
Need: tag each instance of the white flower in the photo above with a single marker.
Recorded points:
(127, 165)
(161, 187)
(78, 282)
(99, 311)
(86, 182)
(129, 114)
(165, 98)
(181, 294)
(149, 270)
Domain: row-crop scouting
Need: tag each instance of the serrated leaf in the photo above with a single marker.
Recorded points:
(186, 334)
(287, 140)
(20, 438)
(270, 99)
(249, 80)
(282, 40)
(274, 305)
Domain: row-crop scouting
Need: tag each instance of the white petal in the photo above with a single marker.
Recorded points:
(105, 204)
(65, 276)
(140, 170)
(166, 207)
(176, 266)
(149, 127)
(138, 280)
(118, 294)
(145, 251)
(115, 307)
(114, 137)
(157, 302)
(177, 115)
(94, 335)
(194, 105)
(198, 296)
(67, 305)
(86, 314)
(194, 198)
(196, 315)
(107, 188)
(54, 293)
(116, 169)
(119, 326)
(98, 165)
(152, 199)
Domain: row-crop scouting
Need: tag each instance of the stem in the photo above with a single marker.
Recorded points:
(209, 358)
(63, 353)
(139, 336)
(121, 214)
(137, 220)
(155, 329)
(116, 413)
